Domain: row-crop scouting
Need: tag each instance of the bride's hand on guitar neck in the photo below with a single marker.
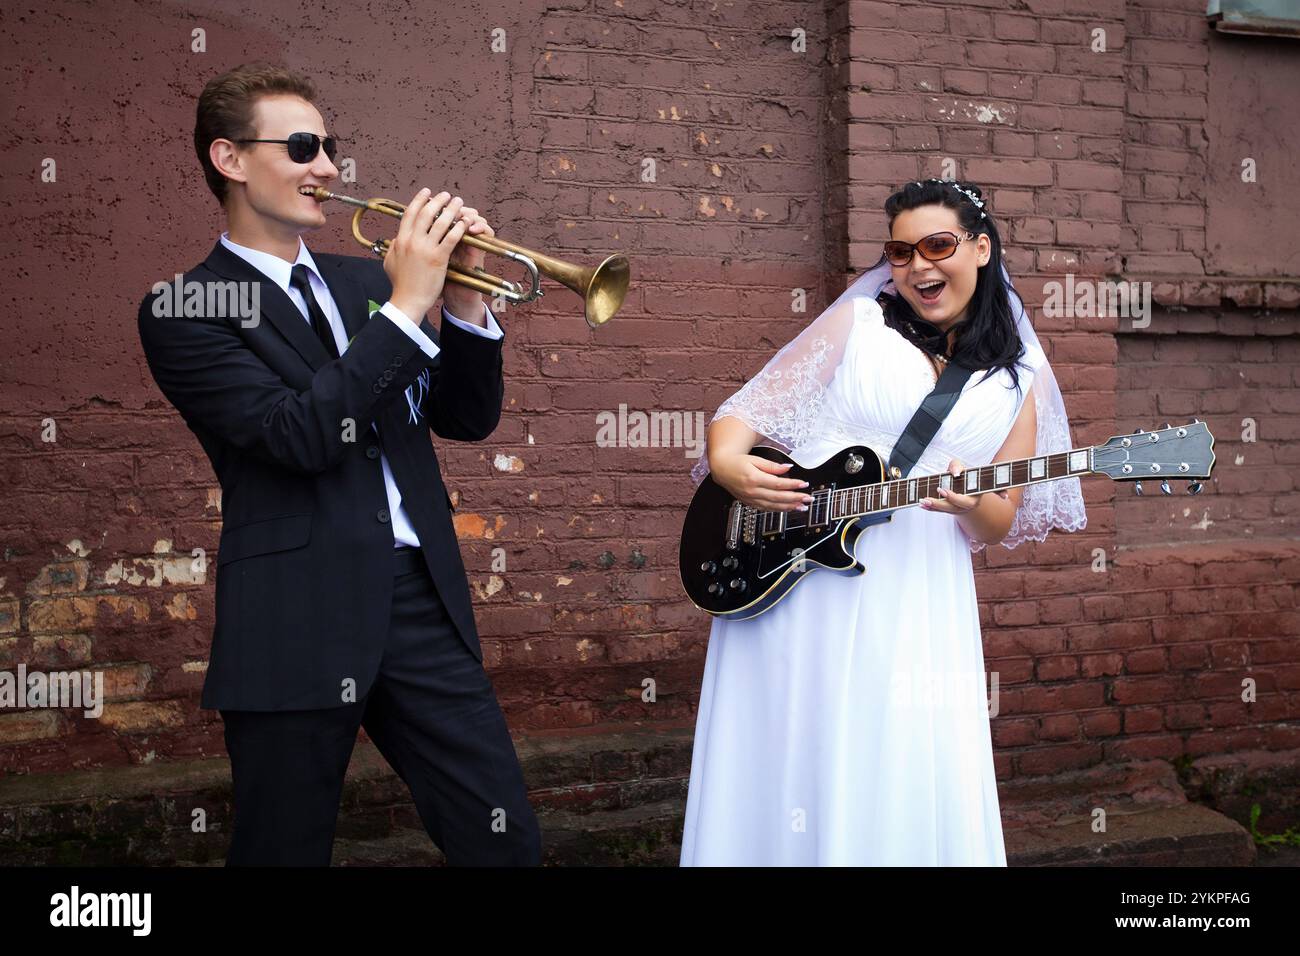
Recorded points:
(949, 502)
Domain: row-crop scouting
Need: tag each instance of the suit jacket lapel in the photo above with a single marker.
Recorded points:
(348, 294)
(276, 305)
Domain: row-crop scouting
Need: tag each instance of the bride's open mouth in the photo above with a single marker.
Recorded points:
(930, 292)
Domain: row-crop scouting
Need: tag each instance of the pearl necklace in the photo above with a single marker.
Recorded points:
(910, 333)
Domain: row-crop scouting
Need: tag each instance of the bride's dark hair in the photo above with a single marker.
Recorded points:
(987, 339)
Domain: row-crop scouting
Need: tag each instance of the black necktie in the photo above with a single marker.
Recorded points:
(298, 279)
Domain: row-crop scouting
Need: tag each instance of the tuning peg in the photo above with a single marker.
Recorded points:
(1137, 488)
(1165, 425)
(1194, 487)
(1164, 486)
(1138, 431)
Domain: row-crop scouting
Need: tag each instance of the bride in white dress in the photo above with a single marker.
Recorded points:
(849, 724)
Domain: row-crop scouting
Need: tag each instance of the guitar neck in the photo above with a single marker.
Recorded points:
(834, 504)
(1182, 452)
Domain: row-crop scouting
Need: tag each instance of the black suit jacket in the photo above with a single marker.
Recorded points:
(304, 570)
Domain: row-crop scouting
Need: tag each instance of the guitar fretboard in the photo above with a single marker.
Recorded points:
(835, 504)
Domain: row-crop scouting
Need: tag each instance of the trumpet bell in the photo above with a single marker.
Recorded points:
(606, 289)
(602, 288)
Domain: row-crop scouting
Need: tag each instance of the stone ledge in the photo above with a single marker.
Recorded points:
(550, 759)
(616, 796)
(1029, 802)
(1188, 835)
(1047, 821)
(622, 781)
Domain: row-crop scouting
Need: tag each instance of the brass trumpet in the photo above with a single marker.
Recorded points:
(601, 287)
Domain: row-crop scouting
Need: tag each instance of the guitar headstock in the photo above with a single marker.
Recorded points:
(1173, 451)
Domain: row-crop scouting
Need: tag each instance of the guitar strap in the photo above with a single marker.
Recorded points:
(927, 419)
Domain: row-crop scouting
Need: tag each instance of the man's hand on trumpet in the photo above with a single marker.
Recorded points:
(418, 256)
(461, 301)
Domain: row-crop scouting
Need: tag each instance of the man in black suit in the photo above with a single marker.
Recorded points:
(341, 599)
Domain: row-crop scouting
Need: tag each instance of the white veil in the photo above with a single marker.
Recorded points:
(785, 404)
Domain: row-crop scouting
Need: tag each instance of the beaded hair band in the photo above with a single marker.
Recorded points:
(979, 203)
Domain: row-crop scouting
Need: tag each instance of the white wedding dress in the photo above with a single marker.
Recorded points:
(849, 725)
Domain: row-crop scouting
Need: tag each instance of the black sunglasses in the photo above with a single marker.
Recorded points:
(303, 147)
(934, 247)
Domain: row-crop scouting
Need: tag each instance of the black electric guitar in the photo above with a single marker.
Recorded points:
(736, 560)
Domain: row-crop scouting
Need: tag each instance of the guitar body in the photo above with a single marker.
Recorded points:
(738, 561)
(737, 569)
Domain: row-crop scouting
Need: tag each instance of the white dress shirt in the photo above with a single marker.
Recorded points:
(279, 271)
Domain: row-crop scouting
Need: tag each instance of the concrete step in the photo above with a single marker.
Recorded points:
(402, 847)
(647, 835)
(616, 796)
(1134, 814)
(1187, 835)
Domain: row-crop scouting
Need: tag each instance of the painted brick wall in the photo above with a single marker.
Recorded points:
(1132, 638)
(551, 140)
(769, 170)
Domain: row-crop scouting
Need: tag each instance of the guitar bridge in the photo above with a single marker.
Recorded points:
(740, 525)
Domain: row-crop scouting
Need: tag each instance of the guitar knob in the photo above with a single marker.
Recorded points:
(738, 584)
(709, 567)
(1137, 488)
(1195, 488)
(730, 561)
(1164, 486)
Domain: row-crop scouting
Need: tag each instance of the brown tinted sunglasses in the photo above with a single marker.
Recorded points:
(939, 245)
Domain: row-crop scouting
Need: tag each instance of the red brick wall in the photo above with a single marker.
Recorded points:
(1099, 164)
(771, 168)
(549, 140)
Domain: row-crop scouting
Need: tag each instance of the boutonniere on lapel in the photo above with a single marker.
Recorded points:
(374, 307)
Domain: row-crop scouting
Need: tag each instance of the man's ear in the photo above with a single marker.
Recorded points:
(227, 160)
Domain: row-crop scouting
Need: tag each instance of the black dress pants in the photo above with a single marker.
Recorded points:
(434, 716)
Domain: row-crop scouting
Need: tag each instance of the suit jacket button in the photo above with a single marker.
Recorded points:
(398, 361)
(377, 388)
(383, 515)
(372, 452)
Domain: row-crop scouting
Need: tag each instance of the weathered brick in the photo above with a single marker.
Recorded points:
(134, 717)
(771, 174)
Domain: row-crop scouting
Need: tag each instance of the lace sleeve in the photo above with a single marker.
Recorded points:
(1049, 504)
(783, 402)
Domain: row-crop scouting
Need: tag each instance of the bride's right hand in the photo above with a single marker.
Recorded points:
(758, 482)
